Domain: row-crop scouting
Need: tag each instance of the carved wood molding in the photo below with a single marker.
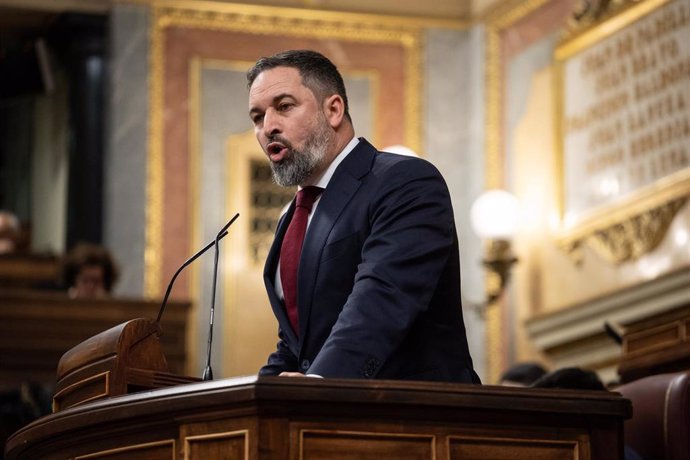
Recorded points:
(628, 239)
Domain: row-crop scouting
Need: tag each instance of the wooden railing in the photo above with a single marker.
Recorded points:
(37, 328)
(656, 345)
(29, 271)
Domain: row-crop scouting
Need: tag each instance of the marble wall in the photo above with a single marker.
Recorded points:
(126, 152)
(454, 142)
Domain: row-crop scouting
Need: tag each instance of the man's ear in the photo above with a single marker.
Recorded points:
(334, 109)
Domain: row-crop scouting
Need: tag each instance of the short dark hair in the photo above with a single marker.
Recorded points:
(523, 373)
(84, 254)
(573, 378)
(318, 73)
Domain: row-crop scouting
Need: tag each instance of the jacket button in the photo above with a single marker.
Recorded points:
(305, 364)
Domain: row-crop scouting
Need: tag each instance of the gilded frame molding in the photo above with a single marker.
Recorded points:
(497, 22)
(296, 22)
(637, 223)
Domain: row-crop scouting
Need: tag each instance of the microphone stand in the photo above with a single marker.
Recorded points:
(223, 232)
(111, 350)
(208, 372)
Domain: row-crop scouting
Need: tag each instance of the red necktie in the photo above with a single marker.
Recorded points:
(292, 248)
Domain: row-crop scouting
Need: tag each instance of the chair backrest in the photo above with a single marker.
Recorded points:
(660, 425)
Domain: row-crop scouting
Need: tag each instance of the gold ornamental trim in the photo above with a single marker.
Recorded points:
(635, 237)
(154, 164)
(499, 20)
(363, 19)
(293, 22)
(631, 229)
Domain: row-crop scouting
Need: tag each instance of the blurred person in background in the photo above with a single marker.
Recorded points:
(10, 231)
(522, 375)
(89, 271)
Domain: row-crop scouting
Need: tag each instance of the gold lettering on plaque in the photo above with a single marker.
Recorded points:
(626, 124)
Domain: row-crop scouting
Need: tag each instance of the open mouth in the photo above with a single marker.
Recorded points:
(276, 151)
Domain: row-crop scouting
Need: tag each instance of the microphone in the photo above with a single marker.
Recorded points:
(221, 234)
(208, 372)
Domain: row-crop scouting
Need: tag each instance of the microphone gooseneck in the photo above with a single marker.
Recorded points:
(208, 372)
(221, 234)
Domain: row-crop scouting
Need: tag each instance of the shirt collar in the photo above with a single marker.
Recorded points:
(328, 173)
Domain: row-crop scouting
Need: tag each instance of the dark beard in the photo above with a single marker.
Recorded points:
(298, 165)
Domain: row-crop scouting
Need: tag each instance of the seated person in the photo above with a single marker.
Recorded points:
(89, 271)
(521, 375)
(10, 231)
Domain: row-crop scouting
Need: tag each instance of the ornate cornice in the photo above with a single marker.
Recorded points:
(367, 20)
(631, 228)
(631, 239)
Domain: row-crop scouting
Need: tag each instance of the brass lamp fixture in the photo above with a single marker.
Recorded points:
(494, 217)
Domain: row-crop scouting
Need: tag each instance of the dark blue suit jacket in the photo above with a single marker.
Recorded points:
(379, 277)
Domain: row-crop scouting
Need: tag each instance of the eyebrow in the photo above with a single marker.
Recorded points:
(273, 101)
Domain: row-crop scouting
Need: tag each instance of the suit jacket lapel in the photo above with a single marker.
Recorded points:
(340, 190)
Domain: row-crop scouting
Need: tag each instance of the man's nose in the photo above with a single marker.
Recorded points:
(271, 123)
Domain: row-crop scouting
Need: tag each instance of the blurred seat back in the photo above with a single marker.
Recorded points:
(660, 425)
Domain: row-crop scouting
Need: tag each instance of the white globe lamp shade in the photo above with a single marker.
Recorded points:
(494, 215)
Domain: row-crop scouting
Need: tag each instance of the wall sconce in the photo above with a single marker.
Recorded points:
(494, 217)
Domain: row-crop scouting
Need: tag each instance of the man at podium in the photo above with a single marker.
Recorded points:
(363, 275)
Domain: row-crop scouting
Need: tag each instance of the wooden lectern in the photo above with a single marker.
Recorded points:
(124, 359)
(291, 418)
